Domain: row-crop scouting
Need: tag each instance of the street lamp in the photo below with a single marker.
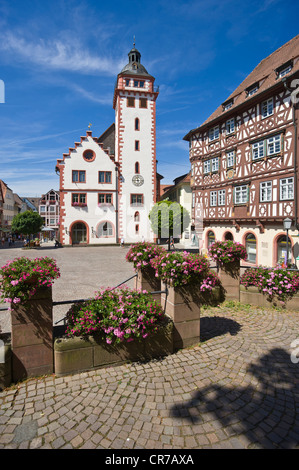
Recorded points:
(287, 223)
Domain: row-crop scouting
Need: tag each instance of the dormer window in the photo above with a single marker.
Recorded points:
(252, 89)
(227, 105)
(284, 69)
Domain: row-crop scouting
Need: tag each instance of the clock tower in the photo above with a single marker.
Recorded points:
(134, 103)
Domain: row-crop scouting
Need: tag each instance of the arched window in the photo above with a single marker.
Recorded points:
(250, 244)
(105, 230)
(136, 217)
(228, 236)
(137, 168)
(211, 238)
(282, 250)
(137, 124)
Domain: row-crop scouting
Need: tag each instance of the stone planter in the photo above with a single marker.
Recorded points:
(229, 275)
(5, 364)
(72, 355)
(251, 295)
(32, 336)
(182, 305)
(146, 280)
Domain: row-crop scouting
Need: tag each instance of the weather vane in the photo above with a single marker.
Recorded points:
(134, 42)
(89, 125)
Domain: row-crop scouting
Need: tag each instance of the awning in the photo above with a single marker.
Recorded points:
(48, 229)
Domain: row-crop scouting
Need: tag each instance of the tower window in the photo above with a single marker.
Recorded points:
(143, 103)
(137, 124)
(137, 146)
(131, 102)
(137, 168)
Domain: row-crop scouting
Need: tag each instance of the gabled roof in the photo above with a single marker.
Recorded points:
(264, 75)
(183, 179)
(82, 139)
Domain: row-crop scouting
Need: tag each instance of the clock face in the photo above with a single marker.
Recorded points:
(138, 180)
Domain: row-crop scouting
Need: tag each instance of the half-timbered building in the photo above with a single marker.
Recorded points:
(244, 163)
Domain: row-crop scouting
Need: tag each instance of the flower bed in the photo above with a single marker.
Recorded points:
(81, 353)
(227, 252)
(120, 315)
(275, 283)
(116, 326)
(140, 254)
(21, 278)
(180, 269)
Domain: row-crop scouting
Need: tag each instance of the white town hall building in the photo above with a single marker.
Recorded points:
(108, 184)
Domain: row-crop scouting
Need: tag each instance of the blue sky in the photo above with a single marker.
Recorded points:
(59, 60)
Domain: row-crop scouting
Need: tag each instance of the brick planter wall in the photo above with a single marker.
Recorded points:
(146, 280)
(251, 295)
(78, 354)
(32, 336)
(229, 275)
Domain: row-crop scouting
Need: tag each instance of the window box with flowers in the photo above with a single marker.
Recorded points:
(79, 200)
(26, 284)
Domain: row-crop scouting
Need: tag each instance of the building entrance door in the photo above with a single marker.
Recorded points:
(79, 233)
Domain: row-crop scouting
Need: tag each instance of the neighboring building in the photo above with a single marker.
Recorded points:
(18, 204)
(244, 160)
(181, 192)
(8, 208)
(30, 203)
(49, 210)
(109, 184)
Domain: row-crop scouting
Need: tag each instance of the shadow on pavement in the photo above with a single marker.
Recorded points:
(210, 327)
(267, 413)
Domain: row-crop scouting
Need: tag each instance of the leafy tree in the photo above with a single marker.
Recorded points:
(27, 223)
(169, 219)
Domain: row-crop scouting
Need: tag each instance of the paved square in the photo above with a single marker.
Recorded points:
(237, 389)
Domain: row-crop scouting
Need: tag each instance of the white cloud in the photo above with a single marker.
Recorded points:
(92, 97)
(57, 55)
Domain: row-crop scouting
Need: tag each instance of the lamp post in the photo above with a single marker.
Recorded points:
(287, 225)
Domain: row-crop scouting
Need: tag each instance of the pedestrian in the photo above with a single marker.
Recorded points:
(172, 243)
(122, 241)
(142, 239)
(3, 241)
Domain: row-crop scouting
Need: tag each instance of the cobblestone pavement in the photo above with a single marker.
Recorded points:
(237, 389)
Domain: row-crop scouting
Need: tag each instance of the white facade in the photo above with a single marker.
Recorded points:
(85, 218)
